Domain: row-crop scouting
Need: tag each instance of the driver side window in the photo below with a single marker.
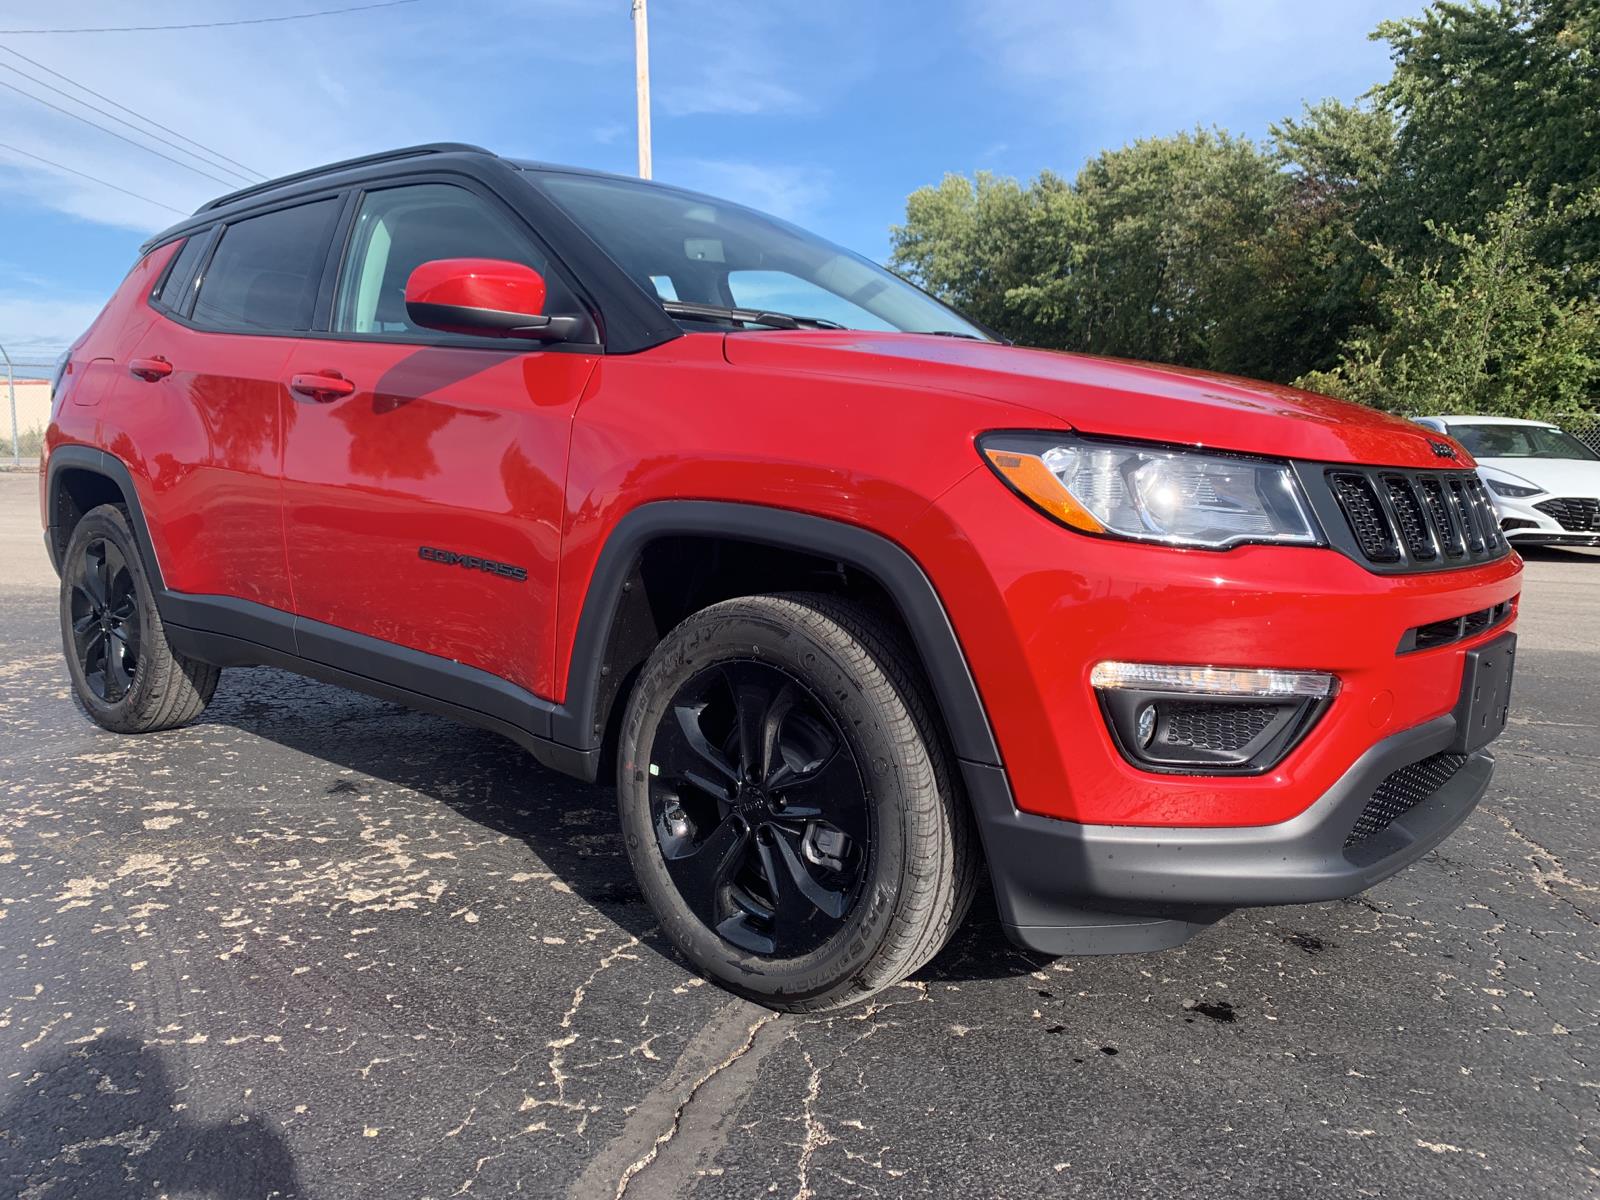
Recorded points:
(400, 228)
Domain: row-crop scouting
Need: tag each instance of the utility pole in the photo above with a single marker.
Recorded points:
(641, 79)
(11, 392)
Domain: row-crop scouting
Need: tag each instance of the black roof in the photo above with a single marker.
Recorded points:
(309, 178)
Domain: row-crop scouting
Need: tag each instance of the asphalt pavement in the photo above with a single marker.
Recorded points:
(320, 946)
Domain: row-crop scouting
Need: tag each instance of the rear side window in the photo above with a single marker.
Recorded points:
(173, 289)
(265, 272)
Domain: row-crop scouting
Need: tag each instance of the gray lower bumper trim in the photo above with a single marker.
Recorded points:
(1050, 873)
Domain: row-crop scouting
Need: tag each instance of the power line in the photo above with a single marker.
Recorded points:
(91, 178)
(120, 120)
(147, 120)
(120, 137)
(326, 12)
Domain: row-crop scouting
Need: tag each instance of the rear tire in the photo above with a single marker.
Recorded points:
(126, 675)
(839, 857)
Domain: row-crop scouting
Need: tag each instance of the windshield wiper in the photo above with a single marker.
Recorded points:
(745, 316)
(953, 333)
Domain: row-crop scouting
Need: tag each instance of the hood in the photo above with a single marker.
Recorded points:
(1110, 397)
(1559, 476)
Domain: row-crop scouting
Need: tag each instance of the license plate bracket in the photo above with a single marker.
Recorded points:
(1485, 693)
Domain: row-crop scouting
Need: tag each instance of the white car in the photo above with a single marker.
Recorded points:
(1545, 482)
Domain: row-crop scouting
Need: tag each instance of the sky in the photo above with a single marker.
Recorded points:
(828, 112)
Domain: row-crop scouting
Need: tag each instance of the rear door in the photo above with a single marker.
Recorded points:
(423, 506)
(210, 372)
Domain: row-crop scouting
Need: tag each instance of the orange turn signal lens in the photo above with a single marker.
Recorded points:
(1030, 477)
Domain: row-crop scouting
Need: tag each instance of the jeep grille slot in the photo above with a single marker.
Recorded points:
(1414, 527)
(1374, 533)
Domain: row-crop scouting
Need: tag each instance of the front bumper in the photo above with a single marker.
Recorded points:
(1036, 605)
(1069, 888)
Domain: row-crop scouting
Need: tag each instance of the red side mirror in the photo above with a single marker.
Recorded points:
(482, 296)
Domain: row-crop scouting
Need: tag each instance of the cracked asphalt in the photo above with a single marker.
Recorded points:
(320, 946)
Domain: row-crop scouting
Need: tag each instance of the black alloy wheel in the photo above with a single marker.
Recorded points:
(125, 673)
(759, 808)
(106, 629)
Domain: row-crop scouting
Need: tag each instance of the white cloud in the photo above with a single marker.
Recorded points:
(37, 328)
(790, 192)
(709, 57)
(1156, 66)
(280, 98)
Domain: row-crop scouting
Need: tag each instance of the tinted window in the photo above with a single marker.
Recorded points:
(265, 272)
(170, 293)
(398, 229)
(1520, 441)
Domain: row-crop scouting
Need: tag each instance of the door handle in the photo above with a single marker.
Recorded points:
(321, 386)
(150, 369)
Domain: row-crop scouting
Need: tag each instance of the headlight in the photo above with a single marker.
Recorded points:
(1150, 494)
(1504, 487)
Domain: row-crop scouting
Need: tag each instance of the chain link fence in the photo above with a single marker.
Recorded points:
(1587, 431)
(18, 433)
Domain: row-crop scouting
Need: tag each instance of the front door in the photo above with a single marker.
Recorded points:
(423, 486)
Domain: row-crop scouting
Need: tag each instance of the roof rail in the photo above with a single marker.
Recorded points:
(346, 164)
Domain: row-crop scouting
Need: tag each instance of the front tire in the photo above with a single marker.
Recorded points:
(788, 805)
(125, 674)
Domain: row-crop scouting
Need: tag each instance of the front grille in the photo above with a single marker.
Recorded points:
(1228, 728)
(1403, 790)
(1574, 514)
(1401, 520)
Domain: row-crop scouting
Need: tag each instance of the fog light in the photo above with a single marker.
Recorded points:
(1147, 724)
(1208, 720)
(1213, 681)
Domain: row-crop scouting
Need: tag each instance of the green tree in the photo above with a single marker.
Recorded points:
(1004, 253)
(1324, 278)
(1155, 251)
(1434, 245)
(1491, 98)
(1486, 328)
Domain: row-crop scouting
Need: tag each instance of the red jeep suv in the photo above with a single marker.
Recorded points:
(853, 596)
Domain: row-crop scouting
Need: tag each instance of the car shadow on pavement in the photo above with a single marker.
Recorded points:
(570, 826)
(106, 1119)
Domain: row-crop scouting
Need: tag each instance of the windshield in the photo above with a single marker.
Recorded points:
(684, 247)
(1520, 441)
